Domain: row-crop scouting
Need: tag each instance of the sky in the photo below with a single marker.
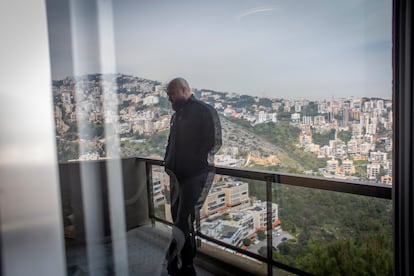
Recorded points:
(314, 49)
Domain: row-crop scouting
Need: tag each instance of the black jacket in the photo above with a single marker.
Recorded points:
(195, 135)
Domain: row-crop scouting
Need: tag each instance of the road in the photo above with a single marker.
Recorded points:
(277, 238)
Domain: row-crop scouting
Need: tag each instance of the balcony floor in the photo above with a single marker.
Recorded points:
(146, 251)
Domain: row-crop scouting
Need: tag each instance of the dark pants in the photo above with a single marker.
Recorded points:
(187, 195)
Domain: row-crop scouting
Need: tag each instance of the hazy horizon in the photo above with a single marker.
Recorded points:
(316, 49)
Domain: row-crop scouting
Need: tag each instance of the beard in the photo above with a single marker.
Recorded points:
(177, 104)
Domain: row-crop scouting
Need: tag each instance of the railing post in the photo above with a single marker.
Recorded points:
(403, 151)
(151, 209)
(198, 227)
(269, 225)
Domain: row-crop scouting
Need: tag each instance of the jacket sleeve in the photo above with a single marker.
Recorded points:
(211, 132)
(168, 154)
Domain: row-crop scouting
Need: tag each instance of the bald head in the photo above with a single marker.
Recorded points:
(180, 82)
(178, 91)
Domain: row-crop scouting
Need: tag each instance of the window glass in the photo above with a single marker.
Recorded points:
(301, 86)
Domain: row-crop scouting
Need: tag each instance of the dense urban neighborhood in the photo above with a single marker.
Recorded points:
(348, 139)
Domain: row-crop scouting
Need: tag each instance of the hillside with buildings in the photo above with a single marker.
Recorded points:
(342, 138)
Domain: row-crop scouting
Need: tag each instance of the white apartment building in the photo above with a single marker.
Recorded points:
(312, 148)
(231, 234)
(378, 157)
(388, 167)
(322, 107)
(371, 129)
(272, 117)
(230, 231)
(211, 229)
(228, 160)
(295, 118)
(205, 94)
(66, 97)
(307, 120)
(157, 194)
(319, 120)
(325, 151)
(368, 138)
(243, 220)
(388, 144)
(348, 167)
(276, 105)
(357, 131)
(237, 194)
(159, 174)
(364, 120)
(228, 111)
(218, 105)
(341, 150)
(123, 128)
(332, 166)
(352, 146)
(151, 100)
(215, 202)
(373, 170)
(380, 104)
(367, 106)
(261, 117)
(259, 212)
(365, 149)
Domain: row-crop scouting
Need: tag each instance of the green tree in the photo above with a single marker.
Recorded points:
(124, 104)
(265, 102)
(323, 138)
(338, 234)
(244, 101)
(310, 110)
(261, 235)
(284, 116)
(247, 242)
(345, 136)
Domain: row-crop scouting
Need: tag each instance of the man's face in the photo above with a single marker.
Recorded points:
(176, 95)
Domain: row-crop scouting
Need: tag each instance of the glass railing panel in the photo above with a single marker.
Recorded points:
(331, 233)
(161, 193)
(315, 231)
(235, 213)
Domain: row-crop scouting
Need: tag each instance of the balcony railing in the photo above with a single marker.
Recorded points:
(140, 209)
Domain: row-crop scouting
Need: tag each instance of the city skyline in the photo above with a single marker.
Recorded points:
(333, 134)
(287, 49)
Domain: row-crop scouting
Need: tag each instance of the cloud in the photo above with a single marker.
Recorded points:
(256, 10)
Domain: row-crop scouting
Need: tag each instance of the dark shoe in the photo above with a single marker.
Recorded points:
(171, 258)
(172, 270)
(187, 270)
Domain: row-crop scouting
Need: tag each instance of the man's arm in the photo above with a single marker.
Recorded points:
(168, 153)
(211, 132)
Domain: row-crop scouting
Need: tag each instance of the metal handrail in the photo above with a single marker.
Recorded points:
(269, 177)
(343, 186)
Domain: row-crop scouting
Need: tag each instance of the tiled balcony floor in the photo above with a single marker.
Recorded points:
(146, 251)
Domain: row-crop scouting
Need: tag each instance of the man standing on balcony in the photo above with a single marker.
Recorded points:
(195, 136)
